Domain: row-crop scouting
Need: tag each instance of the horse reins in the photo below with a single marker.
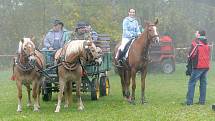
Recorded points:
(146, 51)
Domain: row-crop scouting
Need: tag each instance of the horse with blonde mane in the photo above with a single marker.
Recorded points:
(137, 60)
(71, 56)
(26, 69)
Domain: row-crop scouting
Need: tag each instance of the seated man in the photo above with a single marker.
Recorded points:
(83, 30)
(94, 34)
(57, 36)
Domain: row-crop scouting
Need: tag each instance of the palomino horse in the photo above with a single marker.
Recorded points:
(137, 61)
(71, 69)
(25, 71)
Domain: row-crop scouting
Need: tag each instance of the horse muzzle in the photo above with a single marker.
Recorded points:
(32, 59)
(156, 40)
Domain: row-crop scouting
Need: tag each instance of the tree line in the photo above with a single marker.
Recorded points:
(177, 18)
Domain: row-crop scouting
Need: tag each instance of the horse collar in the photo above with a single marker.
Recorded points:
(71, 66)
(25, 67)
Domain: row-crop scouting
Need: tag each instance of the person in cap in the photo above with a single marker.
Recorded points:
(57, 36)
(199, 56)
(94, 34)
(83, 31)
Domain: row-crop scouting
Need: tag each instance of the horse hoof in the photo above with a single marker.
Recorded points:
(132, 102)
(66, 106)
(29, 105)
(56, 111)
(80, 108)
(36, 110)
(19, 110)
(126, 99)
(143, 102)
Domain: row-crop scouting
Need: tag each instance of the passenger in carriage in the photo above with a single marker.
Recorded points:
(82, 31)
(56, 37)
(130, 30)
(94, 34)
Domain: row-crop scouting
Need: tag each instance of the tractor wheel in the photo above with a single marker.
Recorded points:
(104, 86)
(95, 93)
(47, 91)
(213, 107)
(168, 66)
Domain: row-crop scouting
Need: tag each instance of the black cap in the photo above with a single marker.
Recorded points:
(81, 24)
(56, 22)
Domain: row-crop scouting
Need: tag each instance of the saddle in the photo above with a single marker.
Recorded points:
(122, 54)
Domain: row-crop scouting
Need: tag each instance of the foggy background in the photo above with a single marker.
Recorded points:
(177, 18)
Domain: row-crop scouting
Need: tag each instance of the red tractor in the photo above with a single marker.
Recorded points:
(162, 55)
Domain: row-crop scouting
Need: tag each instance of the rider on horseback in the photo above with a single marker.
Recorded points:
(130, 30)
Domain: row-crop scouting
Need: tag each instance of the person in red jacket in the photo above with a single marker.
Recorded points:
(200, 59)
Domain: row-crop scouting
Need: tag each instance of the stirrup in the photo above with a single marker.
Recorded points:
(121, 61)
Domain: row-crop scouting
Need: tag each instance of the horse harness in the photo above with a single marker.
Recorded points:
(28, 66)
(146, 56)
(71, 65)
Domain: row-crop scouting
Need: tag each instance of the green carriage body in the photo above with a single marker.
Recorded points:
(105, 66)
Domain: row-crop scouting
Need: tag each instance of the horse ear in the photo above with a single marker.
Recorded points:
(22, 40)
(32, 38)
(146, 23)
(156, 22)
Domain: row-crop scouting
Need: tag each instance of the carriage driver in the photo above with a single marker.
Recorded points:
(57, 36)
(130, 30)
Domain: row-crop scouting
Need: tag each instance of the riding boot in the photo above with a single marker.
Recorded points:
(119, 55)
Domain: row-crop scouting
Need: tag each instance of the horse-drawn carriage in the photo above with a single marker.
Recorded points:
(94, 76)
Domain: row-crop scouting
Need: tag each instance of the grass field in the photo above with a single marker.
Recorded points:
(164, 94)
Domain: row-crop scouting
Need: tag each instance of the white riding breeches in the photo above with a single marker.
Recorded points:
(123, 43)
(122, 46)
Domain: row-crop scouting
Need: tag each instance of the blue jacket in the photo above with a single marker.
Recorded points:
(130, 28)
(49, 41)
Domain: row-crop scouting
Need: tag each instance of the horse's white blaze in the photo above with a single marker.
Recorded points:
(20, 47)
(156, 33)
(74, 47)
(155, 30)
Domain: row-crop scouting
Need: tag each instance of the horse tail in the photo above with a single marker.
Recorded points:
(13, 78)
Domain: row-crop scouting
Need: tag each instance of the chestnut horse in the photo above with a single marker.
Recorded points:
(25, 71)
(71, 70)
(137, 60)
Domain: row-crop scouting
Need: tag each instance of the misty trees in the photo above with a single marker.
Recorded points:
(179, 18)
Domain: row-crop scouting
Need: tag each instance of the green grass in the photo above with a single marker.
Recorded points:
(164, 94)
